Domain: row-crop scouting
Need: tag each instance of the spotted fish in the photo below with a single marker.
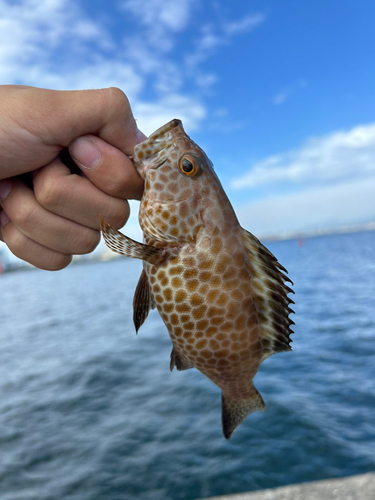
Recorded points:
(220, 292)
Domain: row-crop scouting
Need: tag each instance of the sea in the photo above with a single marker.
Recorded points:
(89, 410)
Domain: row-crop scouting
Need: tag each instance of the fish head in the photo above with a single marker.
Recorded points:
(179, 179)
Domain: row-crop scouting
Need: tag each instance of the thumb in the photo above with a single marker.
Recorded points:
(107, 167)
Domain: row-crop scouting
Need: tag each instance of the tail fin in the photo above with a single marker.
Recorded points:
(234, 411)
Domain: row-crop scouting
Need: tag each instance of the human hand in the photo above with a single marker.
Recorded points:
(58, 218)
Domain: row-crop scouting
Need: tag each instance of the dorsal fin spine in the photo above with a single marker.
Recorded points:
(270, 295)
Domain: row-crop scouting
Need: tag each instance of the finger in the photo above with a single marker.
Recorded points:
(4, 219)
(44, 227)
(107, 167)
(28, 250)
(55, 118)
(103, 112)
(76, 198)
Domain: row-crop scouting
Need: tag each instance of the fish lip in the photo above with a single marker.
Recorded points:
(164, 203)
(164, 134)
(154, 166)
(172, 202)
(143, 167)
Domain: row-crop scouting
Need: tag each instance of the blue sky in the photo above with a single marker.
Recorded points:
(280, 94)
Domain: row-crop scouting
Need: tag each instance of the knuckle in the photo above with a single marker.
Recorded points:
(25, 249)
(119, 218)
(113, 187)
(49, 193)
(118, 97)
(13, 239)
(88, 243)
(25, 215)
(57, 262)
(123, 183)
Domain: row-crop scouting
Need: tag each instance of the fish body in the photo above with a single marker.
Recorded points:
(219, 291)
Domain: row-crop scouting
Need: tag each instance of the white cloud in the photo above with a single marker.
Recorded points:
(155, 13)
(55, 44)
(288, 91)
(281, 97)
(58, 44)
(32, 31)
(206, 80)
(243, 25)
(97, 74)
(159, 22)
(335, 179)
(210, 40)
(330, 159)
(151, 116)
(216, 35)
(349, 203)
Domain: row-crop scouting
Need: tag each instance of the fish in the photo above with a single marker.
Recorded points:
(221, 294)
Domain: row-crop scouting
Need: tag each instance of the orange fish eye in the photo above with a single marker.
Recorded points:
(190, 165)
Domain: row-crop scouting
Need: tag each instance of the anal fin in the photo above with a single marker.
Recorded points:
(234, 411)
(179, 361)
(141, 301)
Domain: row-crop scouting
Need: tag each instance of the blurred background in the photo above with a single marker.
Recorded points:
(280, 96)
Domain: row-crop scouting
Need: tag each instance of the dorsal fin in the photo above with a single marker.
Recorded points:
(270, 295)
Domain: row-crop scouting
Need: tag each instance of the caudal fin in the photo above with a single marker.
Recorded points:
(234, 411)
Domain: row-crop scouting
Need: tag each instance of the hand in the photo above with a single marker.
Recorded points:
(58, 218)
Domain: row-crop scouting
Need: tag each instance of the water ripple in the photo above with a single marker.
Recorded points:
(89, 410)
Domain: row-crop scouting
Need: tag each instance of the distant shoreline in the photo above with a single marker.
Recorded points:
(107, 255)
(295, 235)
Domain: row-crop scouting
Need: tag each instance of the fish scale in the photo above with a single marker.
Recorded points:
(219, 291)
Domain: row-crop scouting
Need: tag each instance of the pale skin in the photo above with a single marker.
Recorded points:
(58, 218)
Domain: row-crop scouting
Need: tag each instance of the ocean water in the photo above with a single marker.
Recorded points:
(89, 410)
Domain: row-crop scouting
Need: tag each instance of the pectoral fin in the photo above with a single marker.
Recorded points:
(120, 243)
(141, 301)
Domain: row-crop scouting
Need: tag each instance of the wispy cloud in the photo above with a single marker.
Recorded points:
(281, 97)
(32, 30)
(215, 35)
(348, 203)
(285, 93)
(160, 14)
(243, 25)
(61, 44)
(328, 182)
(153, 115)
(331, 159)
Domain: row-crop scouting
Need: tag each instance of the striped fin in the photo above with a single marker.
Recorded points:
(270, 295)
(123, 245)
(141, 301)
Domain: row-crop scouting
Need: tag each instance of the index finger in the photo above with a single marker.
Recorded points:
(49, 120)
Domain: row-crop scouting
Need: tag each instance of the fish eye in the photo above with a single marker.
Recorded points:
(189, 165)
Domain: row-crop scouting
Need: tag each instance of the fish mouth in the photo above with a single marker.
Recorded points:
(167, 203)
(154, 164)
(158, 141)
